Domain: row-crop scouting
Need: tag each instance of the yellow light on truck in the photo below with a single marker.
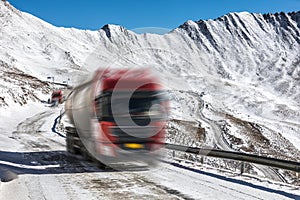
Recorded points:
(134, 145)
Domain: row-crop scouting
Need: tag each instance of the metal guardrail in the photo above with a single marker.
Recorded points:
(271, 162)
(61, 84)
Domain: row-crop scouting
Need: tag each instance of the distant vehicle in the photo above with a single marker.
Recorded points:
(113, 120)
(56, 97)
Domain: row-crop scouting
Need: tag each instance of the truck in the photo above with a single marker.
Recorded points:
(56, 97)
(117, 116)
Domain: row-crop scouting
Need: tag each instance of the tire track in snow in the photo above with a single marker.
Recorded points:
(29, 133)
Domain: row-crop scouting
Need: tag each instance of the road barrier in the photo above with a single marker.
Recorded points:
(239, 156)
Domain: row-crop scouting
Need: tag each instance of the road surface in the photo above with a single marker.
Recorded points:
(41, 169)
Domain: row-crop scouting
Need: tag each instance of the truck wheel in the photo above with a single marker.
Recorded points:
(86, 155)
(70, 144)
(77, 151)
(101, 165)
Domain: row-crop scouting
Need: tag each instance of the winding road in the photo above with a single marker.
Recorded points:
(221, 142)
(45, 171)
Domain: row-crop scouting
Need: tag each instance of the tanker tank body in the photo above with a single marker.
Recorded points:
(104, 130)
(78, 108)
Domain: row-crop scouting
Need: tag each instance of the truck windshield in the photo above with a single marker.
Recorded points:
(54, 95)
(142, 106)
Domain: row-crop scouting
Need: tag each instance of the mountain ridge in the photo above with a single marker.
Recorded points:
(243, 62)
(237, 77)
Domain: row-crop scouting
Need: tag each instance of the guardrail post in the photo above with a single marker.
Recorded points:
(60, 116)
(202, 160)
(242, 168)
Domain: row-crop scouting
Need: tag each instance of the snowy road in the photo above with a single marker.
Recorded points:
(220, 141)
(46, 171)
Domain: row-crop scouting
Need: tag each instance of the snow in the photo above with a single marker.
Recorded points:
(13, 116)
(215, 186)
(27, 166)
(60, 182)
(243, 65)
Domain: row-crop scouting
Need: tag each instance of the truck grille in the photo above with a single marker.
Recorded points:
(137, 135)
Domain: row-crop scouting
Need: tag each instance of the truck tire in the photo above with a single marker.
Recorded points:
(70, 143)
(85, 154)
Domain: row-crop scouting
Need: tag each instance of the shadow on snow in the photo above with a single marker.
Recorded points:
(240, 182)
(47, 162)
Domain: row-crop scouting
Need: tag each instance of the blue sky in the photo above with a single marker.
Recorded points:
(93, 14)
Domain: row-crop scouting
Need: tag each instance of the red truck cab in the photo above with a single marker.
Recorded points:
(135, 95)
(57, 96)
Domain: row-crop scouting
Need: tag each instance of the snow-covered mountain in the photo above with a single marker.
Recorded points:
(246, 65)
